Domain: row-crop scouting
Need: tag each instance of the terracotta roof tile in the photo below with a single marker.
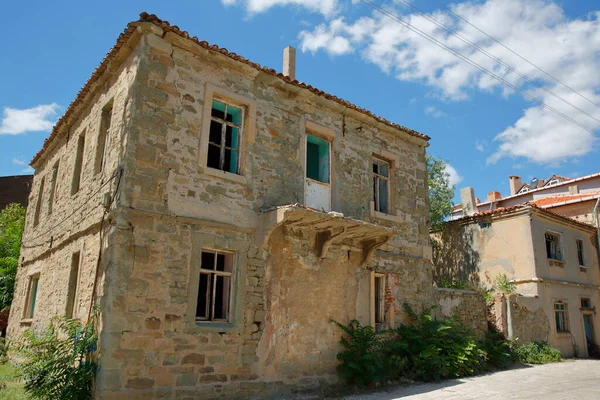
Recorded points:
(145, 17)
(555, 200)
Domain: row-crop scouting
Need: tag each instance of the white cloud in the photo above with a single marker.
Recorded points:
(480, 145)
(453, 175)
(325, 7)
(28, 170)
(435, 112)
(19, 161)
(537, 29)
(33, 119)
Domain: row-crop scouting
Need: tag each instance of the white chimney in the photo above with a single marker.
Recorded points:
(515, 184)
(467, 199)
(289, 62)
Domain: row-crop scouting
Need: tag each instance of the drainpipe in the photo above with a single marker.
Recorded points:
(509, 319)
(597, 218)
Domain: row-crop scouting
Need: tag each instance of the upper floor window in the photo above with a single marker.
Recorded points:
(71, 308)
(381, 186)
(215, 286)
(317, 158)
(560, 317)
(38, 204)
(101, 148)
(225, 137)
(553, 246)
(586, 303)
(53, 184)
(580, 257)
(78, 167)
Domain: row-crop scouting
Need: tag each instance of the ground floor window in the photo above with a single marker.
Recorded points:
(561, 317)
(378, 299)
(31, 296)
(215, 285)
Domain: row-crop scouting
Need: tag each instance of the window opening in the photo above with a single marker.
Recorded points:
(317, 159)
(78, 170)
(553, 249)
(73, 283)
(38, 204)
(53, 184)
(214, 291)
(31, 296)
(224, 137)
(560, 317)
(379, 287)
(105, 121)
(580, 258)
(381, 186)
(586, 303)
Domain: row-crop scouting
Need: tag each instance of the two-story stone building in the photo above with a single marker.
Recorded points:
(219, 214)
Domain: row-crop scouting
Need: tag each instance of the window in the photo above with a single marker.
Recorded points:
(73, 283)
(224, 137)
(586, 303)
(381, 186)
(317, 159)
(553, 247)
(103, 137)
(379, 298)
(214, 290)
(560, 317)
(32, 289)
(78, 170)
(580, 258)
(53, 184)
(38, 204)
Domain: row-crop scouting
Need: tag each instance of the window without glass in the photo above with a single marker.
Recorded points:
(214, 289)
(560, 317)
(77, 170)
(224, 138)
(381, 186)
(53, 184)
(38, 204)
(580, 258)
(73, 283)
(317, 159)
(379, 298)
(103, 138)
(586, 303)
(29, 309)
(553, 246)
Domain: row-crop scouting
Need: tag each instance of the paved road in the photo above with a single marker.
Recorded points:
(578, 379)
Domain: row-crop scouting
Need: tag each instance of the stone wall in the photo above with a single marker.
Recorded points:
(467, 305)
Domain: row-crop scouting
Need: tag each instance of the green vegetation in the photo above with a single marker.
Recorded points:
(58, 360)
(12, 220)
(536, 353)
(440, 191)
(11, 386)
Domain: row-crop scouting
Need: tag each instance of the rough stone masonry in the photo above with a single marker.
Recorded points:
(173, 194)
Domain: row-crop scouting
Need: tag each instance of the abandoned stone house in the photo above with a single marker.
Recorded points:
(219, 214)
(552, 260)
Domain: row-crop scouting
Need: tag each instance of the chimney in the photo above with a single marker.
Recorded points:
(289, 62)
(515, 184)
(573, 189)
(493, 196)
(467, 199)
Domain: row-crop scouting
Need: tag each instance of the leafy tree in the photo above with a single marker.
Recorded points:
(12, 220)
(440, 191)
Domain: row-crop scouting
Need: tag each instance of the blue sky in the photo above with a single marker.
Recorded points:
(485, 130)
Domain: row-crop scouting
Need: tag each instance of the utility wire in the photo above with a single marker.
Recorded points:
(492, 57)
(523, 58)
(474, 64)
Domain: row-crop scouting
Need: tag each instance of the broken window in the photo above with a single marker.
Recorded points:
(560, 317)
(580, 258)
(214, 289)
(78, 170)
(32, 289)
(224, 137)
(103, 138)
(381, 186)
(73, 283)
(553, 246)
(586, 303)
(317, 159)
(379, 298)
(53, 184)
(38, 204)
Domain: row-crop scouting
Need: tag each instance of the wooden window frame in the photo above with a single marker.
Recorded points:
(565, 317)
(377, 177)
(213, 274)
(33, 284)
(103, 137)
(559, 247)
(580, 253)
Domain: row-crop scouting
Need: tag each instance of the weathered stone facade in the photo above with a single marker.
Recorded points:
(295, 268)
(467, 306)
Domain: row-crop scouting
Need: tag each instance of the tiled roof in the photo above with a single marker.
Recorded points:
(551, 201)
(145, 17)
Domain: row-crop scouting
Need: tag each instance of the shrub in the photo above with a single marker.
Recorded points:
(58, 360)
(498, 351)
(536, 353)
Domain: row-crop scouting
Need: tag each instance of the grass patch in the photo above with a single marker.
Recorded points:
(536, 353)
(11, 386)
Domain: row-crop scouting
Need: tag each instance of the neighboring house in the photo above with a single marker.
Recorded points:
(552, 259)
(15, 189)
(577, 198)
(219, 214)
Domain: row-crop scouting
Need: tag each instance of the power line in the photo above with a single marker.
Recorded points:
(492, 57)
(474, 64)
(522, 58)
